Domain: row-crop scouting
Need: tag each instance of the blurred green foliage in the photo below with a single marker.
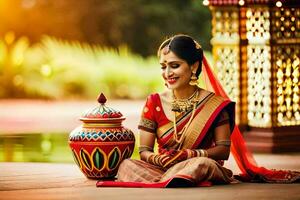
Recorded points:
(59, 69)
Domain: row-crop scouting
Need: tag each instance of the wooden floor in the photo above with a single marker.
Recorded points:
(42, 181)
(65, 181)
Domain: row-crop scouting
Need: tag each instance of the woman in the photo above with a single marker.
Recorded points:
(194, 129)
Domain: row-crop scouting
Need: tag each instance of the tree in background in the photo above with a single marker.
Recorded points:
(140, 24)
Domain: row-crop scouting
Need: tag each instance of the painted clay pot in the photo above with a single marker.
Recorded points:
(101, 143)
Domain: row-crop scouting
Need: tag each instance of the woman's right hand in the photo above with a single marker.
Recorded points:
(168, 158)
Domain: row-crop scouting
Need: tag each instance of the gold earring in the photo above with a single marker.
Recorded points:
(194, 79)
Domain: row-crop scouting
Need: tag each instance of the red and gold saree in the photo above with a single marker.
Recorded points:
(213, 109)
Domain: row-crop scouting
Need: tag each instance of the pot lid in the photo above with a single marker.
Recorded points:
(102, 113)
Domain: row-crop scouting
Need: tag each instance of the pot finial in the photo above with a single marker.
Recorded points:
(101, 98)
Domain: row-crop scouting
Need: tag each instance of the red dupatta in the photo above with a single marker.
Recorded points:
(243, 157)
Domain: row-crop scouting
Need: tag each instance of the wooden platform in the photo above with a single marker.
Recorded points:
(273, 140)
(64, 181)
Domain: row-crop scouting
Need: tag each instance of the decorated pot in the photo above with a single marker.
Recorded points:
(101, 143)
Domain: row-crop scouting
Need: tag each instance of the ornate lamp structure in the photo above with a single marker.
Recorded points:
(256, 48)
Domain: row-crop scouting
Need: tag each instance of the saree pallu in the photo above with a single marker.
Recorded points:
(198, 171)
(251, 172)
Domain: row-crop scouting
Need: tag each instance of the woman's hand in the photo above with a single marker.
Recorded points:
(168, 158)
(161, 160)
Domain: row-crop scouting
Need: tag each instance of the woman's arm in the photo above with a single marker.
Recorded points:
(147, 140)
(222, 138)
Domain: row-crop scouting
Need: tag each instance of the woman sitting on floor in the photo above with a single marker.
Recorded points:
(194, 128)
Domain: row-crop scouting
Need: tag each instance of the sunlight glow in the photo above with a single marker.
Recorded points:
(9, 37)
(206, 2)
(18, 80)
(46, 70)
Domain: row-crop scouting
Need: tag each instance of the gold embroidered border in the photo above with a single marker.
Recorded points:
(161, 130)
(148, 124)
(198, 123)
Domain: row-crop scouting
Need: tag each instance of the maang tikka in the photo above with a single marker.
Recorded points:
(167, 49)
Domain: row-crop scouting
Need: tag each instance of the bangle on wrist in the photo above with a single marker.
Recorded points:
(145, 148)
(202, 153)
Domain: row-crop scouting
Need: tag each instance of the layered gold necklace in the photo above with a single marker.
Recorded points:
(184, 105)
(181, 105)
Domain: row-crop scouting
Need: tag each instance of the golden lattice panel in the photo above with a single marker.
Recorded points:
(225, 24)
(258, 24)
(287, 63)
(286, 23)
(227, 66)
(259, 85)
(225, 43)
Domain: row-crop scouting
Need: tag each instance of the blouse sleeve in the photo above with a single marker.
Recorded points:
(222, 119)
(147, 121)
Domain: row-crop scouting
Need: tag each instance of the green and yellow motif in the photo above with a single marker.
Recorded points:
(76, 159)
(114, 158)
(85, 158)
(99, 159)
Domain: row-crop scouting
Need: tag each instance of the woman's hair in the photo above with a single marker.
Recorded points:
(184, 47)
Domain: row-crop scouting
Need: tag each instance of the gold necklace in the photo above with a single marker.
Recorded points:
(180, 136)
(184, 105)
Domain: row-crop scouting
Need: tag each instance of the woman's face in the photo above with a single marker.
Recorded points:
(175, 71)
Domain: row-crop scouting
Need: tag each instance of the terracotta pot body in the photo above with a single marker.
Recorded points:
(101, 143)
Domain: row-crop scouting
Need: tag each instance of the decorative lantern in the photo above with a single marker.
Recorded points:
(101, 143)
(256, 48)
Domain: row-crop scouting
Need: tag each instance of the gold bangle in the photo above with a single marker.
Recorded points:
(223, 142)
(205, 153)
(145, 148)
(202, 153)
(149, 158)
(189, 153)
(156, 160)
